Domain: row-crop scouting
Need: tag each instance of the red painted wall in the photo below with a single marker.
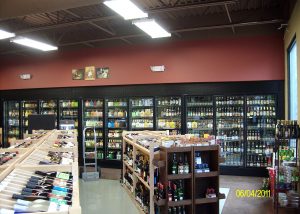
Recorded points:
(235, 59)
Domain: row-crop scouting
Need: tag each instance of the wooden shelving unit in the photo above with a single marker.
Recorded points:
(195, 183)
(151, 154)
(22, 169)
(204, 180)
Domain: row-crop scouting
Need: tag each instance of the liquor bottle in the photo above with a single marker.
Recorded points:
(180, 166)
(175, 192)
(174, 165)
(186, 166)
(180, 189)
(170, 192)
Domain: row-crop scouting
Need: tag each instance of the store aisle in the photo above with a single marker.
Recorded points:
(105, 196)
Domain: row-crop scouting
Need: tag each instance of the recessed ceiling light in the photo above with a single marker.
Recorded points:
(5, 34)
(33, 44)
(126, 9)
(151, 27)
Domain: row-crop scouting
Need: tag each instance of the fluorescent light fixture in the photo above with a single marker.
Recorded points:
(5, 34)
(33, 44)
(126, 8)
(151, 27)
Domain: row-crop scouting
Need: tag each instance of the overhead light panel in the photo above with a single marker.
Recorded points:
(33, 44)
(151, 27)
(126, 9)
(5, 34)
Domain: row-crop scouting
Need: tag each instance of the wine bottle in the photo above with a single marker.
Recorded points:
(180, 166)
(174, 165)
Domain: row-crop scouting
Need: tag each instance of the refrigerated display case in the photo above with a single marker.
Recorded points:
(48, 107)
(168, 114)
(199, 115)
(69, 110)
(93, 117)
(117, 122)
(141, 114)
(28, 108)
(261, 121)
(12, 122)
(230, 128)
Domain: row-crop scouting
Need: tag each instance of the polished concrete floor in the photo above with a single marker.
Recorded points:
(108, 196)
(105, 196)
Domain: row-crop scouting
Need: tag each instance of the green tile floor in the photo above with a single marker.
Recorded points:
(105, 197)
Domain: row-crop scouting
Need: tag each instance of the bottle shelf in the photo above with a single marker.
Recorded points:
(113, 148)
(111, 107)
(141, 107)
(168, 106)
(200, 117)
(145, 118)
(206, 174)
(180, 176)
(179, 203)
(206, 200)
(201, 129)
(169, 117)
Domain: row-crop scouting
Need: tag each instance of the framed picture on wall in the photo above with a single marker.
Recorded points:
(102, 73)
(77, 74)
(90, 73)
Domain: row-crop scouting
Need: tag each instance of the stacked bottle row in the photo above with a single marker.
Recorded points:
(229, 100)
(230, 112)
(141, 102)
(170, 112)
(45, 192)
(115, 143)
(287, 129)
(142, 196)
(259, 160)
(141, 166)
(144, 113)
(69, 104)
(257, 111)
(200, 112)
(181, 166)
(93, 113)
(169, 101)
(6, 156)
(262, 123)
(93, 103)
(117, 113)
(93, 123)
(230, 124)
(142, 124)
(261, 100)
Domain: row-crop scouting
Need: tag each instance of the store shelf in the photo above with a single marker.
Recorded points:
(118, 118)
(201, 129)
(179, 203)
(141, 107)
(169, 117)
(160, 202)
(128, 166)
(168, 106)
(118, 128)
(206, 200)
(180, 176)
(206, 174)
(146, 118)
(112, 148)
(116, 107)
(200, 117)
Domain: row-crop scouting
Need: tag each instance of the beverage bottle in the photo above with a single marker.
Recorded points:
(174, 165)
(180, 166)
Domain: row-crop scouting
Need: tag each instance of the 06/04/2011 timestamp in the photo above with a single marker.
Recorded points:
(243, 193)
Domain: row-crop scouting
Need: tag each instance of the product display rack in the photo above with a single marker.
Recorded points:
(24, 168)
(199, 115)
(195, 183)
(116, 122)
(169, 114)
(129, 168)
(27, 108)
(93, 116)
(141, 113)
(286, 166)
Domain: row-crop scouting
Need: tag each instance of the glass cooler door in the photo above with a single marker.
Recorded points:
(141, 114)
(261, 122)
(12, 122)
(199, 115)
(93, 117)
(230, 128)
(168, 114)
(28, 108)
(48, 107)
(69, 111)
(117, 121)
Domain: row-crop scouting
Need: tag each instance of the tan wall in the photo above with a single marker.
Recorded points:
(292, 30)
